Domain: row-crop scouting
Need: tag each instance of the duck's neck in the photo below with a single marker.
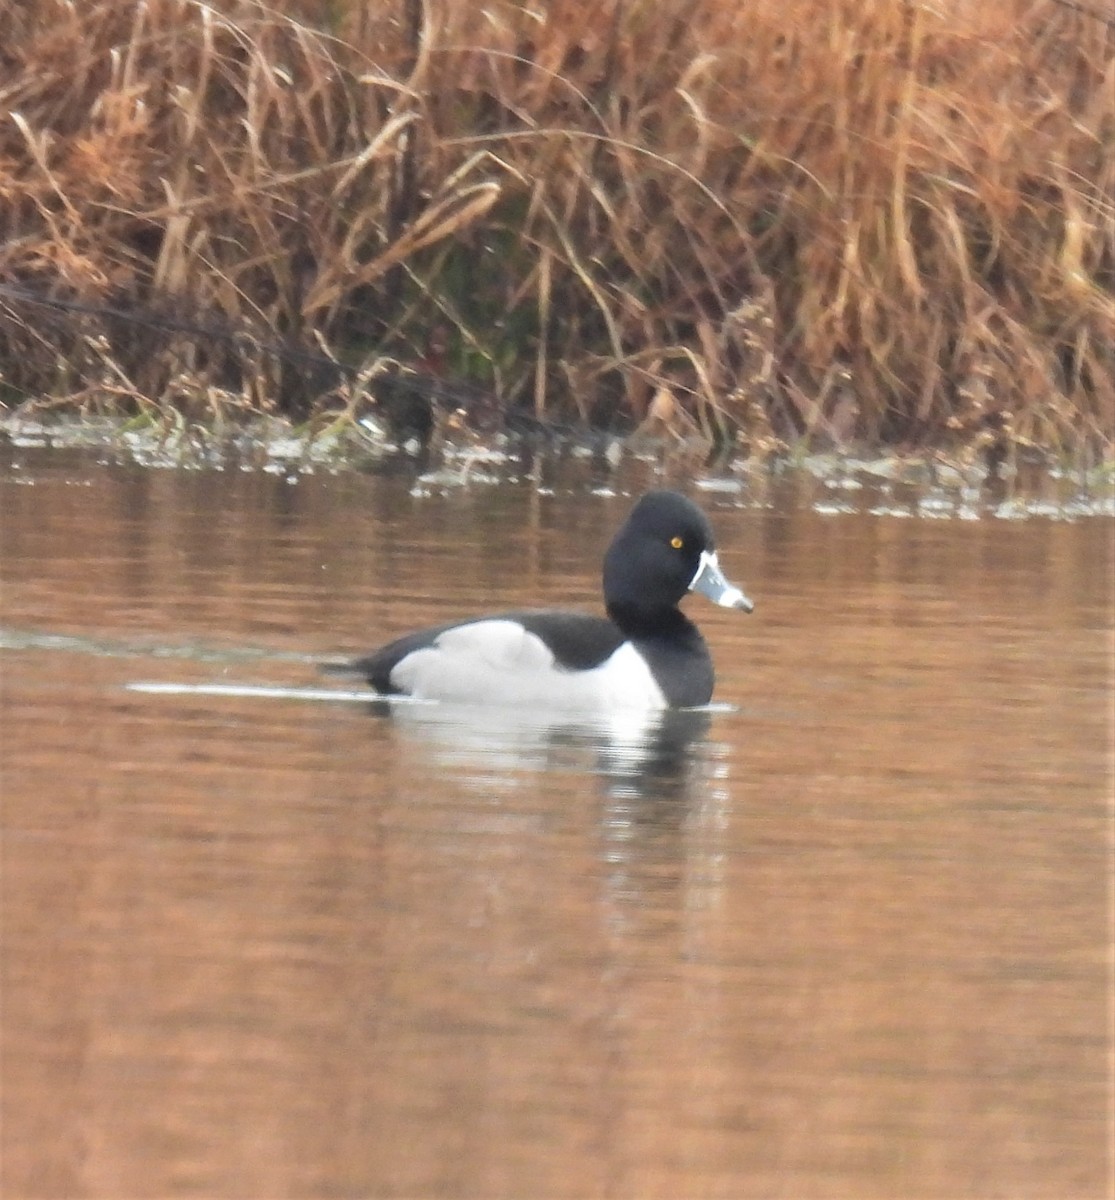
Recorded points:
(640, 623)
(673, 649)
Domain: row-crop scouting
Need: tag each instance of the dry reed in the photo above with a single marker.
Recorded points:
(857, 221)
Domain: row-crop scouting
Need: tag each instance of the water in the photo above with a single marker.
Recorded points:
(846, 935)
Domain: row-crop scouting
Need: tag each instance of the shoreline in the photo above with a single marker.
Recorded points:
(930, 484)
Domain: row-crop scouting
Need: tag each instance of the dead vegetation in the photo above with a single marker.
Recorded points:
(847, 222)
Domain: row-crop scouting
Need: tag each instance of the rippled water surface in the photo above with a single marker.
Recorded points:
(848, 937)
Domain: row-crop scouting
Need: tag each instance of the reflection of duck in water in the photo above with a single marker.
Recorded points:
(656, 761)
(652, 755)
(645, 655)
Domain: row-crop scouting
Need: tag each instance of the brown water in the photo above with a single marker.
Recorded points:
(849, 939)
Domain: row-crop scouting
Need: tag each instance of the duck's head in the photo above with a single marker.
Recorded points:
(664, 550)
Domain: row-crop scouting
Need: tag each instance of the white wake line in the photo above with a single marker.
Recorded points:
(254, 691)
(260, 692)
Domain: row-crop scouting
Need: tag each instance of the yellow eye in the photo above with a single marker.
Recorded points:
(676, 542)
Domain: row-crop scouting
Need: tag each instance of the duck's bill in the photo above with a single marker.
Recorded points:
(710, 582)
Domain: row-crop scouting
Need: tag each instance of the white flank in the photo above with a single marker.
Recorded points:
(499, 663)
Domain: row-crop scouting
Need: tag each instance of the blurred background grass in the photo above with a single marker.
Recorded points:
(835, 222)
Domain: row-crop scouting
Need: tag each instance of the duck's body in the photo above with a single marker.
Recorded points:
(644, 654)
(550, 659)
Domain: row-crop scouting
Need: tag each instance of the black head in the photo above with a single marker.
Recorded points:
(656, 555)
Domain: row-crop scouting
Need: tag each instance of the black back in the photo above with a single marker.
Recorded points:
(577, 641)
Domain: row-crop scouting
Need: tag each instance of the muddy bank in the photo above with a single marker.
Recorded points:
(932, 486)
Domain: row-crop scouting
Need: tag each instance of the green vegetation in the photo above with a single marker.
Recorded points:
(774, 221)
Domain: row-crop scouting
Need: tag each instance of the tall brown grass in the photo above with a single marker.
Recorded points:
(846, 220)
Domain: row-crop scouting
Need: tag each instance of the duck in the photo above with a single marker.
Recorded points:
(644, 654)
